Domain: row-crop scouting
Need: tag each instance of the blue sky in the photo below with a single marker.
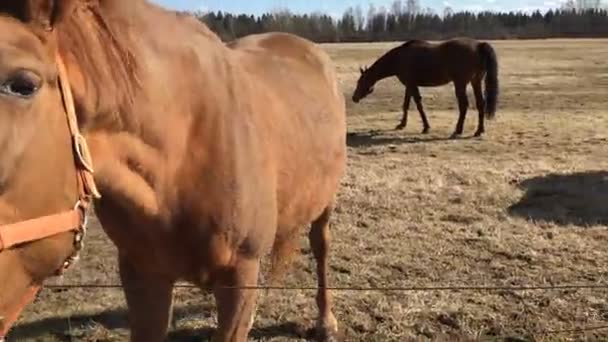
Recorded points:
(336, 7)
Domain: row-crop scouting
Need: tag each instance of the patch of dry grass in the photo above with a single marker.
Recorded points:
(525, 205)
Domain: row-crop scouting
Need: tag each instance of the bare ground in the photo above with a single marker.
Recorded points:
(525, 205)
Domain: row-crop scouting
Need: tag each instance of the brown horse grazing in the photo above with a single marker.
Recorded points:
(422, 64)
(207, 156)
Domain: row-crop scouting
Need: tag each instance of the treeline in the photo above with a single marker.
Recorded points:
(403, 21)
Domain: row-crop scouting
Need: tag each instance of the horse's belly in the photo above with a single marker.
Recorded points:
(436, 80)
(302, 209)
(190, 248)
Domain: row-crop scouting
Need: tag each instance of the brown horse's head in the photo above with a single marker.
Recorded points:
(365, 85)
(42, 189)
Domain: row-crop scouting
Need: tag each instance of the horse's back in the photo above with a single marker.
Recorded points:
(276, 43)
(293, 68)
(456, 58)
(286, 49)
(462, 45)
(462, 54)
(302, 110)
(421, 64)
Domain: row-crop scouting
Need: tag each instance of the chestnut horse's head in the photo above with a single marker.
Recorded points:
(365, 85)
(45, 170)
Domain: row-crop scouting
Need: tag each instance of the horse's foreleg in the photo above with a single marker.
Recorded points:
(235, 302)
(418, 100)
(319, 237)
(406, 105)
(463, 105)
(480, 102)
(149, 299)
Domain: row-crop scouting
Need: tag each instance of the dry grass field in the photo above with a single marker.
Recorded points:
(525, 205)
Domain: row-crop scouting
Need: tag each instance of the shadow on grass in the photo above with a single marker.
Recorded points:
(288, 330)
(60, 327)
(579, 199)
(376, 137)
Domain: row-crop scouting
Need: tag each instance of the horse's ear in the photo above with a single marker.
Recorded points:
(48, 14)
(361, 69)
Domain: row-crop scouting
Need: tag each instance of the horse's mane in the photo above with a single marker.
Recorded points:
(409, 42)
(200, 27)
(96, 36)
(394, 53)
(98, 40)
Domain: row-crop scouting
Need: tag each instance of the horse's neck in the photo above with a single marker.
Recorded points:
(383, 68)
(153, 134)
(97, 93)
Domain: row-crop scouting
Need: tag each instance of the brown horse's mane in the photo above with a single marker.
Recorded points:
(397, 49)
(98, 46)
(380, 65)
(102, 51)
(385, 64)
(408, 43)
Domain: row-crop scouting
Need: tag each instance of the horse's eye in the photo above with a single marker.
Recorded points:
(23, 84)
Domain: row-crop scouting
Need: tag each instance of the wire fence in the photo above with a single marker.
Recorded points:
(549, 332)
(362, 288)
(573, 330)
(526, 330)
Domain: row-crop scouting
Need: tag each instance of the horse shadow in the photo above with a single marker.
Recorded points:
(565, 199)
(116, 319)
(379, 137)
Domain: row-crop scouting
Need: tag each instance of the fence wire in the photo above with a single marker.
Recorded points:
(556, 332)
(361, 288)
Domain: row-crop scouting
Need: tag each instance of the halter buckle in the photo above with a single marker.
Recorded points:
(82, 152)
(79, 237)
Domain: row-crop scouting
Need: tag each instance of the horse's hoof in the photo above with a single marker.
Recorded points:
(478, 134)
(455, 136)
(325, 335)
(399, 127)
(327, 331)
(426, 131)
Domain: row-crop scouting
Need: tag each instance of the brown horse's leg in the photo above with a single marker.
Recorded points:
(406, 106)
(319, 237)
(418, 100)
(480, 103)
(235, 304)
(463, 105)
(149, 299)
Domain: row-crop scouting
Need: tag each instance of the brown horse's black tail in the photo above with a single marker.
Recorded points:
(490, 61)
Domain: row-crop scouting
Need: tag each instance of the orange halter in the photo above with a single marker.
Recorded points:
(74, 219)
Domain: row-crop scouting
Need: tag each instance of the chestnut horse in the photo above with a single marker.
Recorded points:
(417, 63)
(207, 156)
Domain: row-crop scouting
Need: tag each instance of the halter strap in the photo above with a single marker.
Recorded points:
(75, 220)
(39, 228)
(72, 220)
